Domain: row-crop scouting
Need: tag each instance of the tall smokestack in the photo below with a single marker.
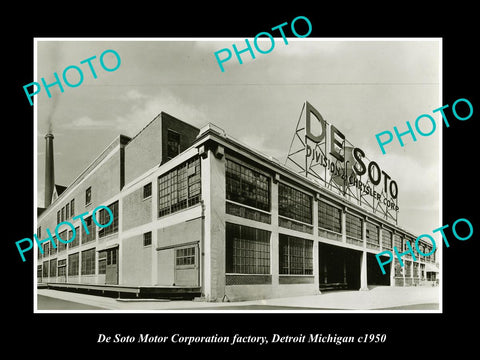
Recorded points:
(49, 169)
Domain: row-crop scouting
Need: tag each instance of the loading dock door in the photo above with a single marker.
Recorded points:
(111, 271)
(186, 266)
(374, 272)
(339, 267)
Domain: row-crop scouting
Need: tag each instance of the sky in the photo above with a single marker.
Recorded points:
(363, 87)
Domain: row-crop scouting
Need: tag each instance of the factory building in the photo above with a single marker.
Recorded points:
(196, 213)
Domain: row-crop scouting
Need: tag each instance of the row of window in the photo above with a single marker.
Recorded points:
(87, 233)
(66, 212)
(249, 187)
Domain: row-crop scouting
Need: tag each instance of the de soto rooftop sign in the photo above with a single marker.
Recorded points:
(321, 152)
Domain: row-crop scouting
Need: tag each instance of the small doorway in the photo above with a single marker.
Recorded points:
(111, 270)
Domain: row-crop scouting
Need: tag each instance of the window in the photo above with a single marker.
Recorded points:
(62, 267)
(88, 196)
(104, 218)
(53, 267)
(73, 264)
(247, 250)
(173, 144)
(179, 188)
(39, 232)
(329, 217)
(247, 186)
(63, 235)
(75, 242)
(62, 214)
(147, 239)
(72, 207)
(67, 211)
(387, 239)
(398, 242)
(58, 217)
(102, 262)
(88, 262)
(295, 255)
(39, 271)
(46, 249)
(294, 204)
(91, 236)
(185, 257)
(353, 226)
(372, 233)
(147, 190)
(45, 269)
(112, 256)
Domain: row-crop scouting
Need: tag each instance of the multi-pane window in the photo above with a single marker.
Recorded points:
(45, 269)
(387, 239)
(294, 204)
(72, 207)
(46, 249)
(147, 238)
(173, 144)
(62, 267)
(39, 271)
(185, 256)
(247, 250)
(397, 242)
(353, 226)
(112, 257)
(179, 188)
(147, 190)
(90, 228)
(372, 233)
(67, 211)
(53, 267)
(88, 262)
(88, 196)
(63, 235)
(104, 218)
(102, 262)
(58, 217)
(329, 217)
(73, 264)
(62, 216)
(247, 186)
(295, 255)
(75, 242)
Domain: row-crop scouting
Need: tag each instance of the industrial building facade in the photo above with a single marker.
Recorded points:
(194, 208)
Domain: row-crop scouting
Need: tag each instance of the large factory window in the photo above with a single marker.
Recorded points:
(73, 264)
(102, 262)
(372, 233)
(294, 204)
(353, 226)
(387, 239)
(76, 241)
(295, 255)
(104, 218)
(247, 186)
(329, 217)
(397, 241)
(247, 250)
(179, 188)
(91, 231)
(53, 267)
(88, 262)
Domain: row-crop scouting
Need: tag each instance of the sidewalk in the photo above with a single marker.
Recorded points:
(382, 297)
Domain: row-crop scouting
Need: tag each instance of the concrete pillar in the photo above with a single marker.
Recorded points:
(363, 272)
(363, 262)
(316, 260)
(344, 225)
(274, 239)
(392, 273)
(213, 195)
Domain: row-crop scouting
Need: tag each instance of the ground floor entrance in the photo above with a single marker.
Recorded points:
(374, 272)
(339, 268)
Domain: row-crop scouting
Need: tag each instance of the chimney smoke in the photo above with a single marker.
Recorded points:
(49, 169)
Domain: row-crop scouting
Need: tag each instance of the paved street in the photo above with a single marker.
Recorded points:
(378, 298)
